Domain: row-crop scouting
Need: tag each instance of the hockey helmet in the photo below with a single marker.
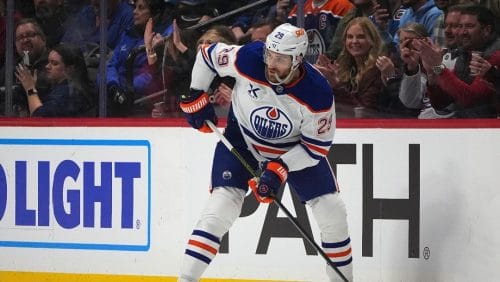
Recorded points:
(290, 40)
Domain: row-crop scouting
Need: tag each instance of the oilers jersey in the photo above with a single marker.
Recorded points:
(295, 122)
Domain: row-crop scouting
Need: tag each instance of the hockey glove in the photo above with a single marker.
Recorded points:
(272, 178)
(197, 108)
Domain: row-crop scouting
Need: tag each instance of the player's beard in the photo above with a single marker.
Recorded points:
(271, 75)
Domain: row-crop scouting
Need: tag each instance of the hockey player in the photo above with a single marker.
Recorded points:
(282, 118)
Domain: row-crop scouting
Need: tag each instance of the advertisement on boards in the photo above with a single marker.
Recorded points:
(422, 205)
(75, 194)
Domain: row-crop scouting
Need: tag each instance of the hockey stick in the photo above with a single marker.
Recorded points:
(280, 205)
(228, 14)
(142, 48)
(150, 96)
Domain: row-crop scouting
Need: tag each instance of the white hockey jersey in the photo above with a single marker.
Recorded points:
(295, 122)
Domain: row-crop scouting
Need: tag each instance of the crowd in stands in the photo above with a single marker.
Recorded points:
(421, 59)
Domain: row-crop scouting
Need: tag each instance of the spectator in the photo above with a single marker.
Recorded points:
(191, 12)
(423, 12)
(242, 26)
(414, 81)
(70, 94)
(31, 50)
(494, 6)
(73, 7)
(169, 60)
(469, 86)
(354, 76)
(87, 25)
(221, 88)
(259, 30)
(282, 9)
(52, 18)
(321, 20)
(366, 8)
(387, 15)
(126, 79)
(362, 8)
(438, 32)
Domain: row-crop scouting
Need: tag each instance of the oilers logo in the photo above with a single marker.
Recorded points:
(270, 123)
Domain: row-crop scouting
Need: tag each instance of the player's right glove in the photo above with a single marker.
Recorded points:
(272, 178)
(197, 108)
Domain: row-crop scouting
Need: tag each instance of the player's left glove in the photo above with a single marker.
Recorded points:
(197, 108)
(272, 178)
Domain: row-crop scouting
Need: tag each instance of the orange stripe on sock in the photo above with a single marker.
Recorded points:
(338, 255)
(203, 246)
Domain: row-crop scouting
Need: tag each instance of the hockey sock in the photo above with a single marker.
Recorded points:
(222, 209)
(330, 214)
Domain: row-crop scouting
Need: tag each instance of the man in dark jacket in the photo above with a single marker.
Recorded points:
(31, 50)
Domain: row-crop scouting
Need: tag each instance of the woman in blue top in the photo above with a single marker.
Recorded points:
(123, 89)
(70, 94)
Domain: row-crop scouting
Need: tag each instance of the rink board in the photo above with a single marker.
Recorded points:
(107, 202)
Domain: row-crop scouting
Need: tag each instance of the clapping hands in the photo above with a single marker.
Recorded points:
(386, 67)
(409, 55)
(151, 38)
(328, 68)
(26, 76)
(430, 53)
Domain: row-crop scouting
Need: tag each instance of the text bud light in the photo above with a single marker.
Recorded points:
(79, 194)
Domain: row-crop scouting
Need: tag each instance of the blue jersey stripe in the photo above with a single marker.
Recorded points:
(316, 141)
(276, 145)
(206, 235)
(311, 153)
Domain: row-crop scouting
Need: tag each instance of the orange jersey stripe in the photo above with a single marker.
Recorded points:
(269, 150)
(316, 148)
